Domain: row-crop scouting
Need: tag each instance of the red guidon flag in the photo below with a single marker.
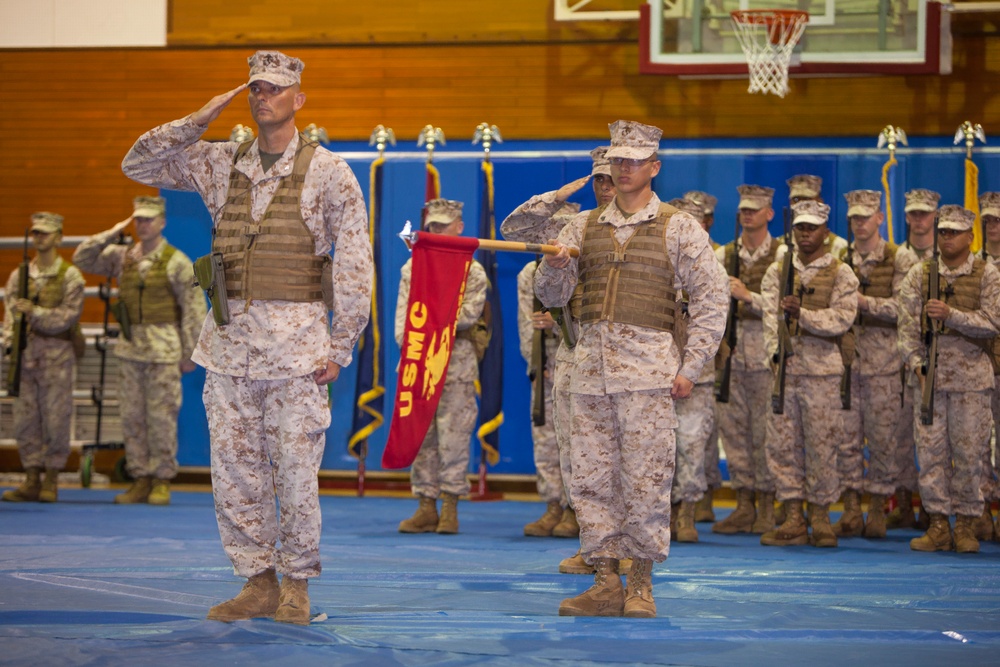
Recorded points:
(437, 285)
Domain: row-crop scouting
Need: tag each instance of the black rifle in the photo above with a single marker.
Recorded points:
(784, 323)
(19, 337)
(931, 331)
(845, 378)
(723, 376)
(539, 360)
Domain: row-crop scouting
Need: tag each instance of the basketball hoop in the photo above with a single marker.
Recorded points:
(768, 37)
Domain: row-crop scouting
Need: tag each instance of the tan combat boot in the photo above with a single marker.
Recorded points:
(448, 523)
(424, 520)
(792, 532)
(875, 523)
(160, 493)
(605, 598)
(823, 534)
(544, 525)
(852, 522)
(902, 516)
(703, 508)
(686, 532)
(137, 493)
(29, 489)
(293, 602)
(742, 518)
(567, 526)
(49, 493)
(675, 508)
(983, 525)
(965, 535)
(258, 599)
(937, 537)
(639, 601)
(765, 513)
(575, 565)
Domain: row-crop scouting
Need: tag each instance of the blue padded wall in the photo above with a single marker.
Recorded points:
(523, 169)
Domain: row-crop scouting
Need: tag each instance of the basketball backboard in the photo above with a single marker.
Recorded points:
(843, 37)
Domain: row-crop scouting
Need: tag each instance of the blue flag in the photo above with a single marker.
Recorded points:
(491, 367)
(369, 391)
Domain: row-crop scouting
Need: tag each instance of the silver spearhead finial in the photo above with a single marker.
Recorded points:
(892, 136)
(381, 136)
(431, 136)
(970, 133)
(487, 135)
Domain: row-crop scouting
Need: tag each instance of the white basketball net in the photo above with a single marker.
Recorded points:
(768, 39)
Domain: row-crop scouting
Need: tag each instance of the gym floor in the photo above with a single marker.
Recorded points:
(86, 582)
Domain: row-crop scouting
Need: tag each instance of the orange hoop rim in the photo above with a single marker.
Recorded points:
(768, 16)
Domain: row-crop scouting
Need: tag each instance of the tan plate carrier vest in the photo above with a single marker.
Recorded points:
(879, 285)
(963, 294)
(50, 296)
(149, 300)
(752, 276)
(817, 297)
(630, 283)
(274, 259)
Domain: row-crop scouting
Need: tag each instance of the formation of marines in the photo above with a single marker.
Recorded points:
(646, 342)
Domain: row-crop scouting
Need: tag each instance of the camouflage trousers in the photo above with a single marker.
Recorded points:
(743, 426)
(695, 424)
(951, 452)
(991, 471)
(874, 416)
(267, 443)
(149, 396)
(906, 444)
(562, 421)
(546, 450)
(623, 467)
(713, 473)
(43, 415)
(802, 443)
(442, 464)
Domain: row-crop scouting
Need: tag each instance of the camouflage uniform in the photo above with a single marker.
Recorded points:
(743, 420)
(991, 469)
(623, 417)
(267, 416)
(802, 443)
(951, 450)
(539, 220)
(546, 448)
(442, 464)
(43, 411)
(695, 426)
(906, 444)
(149, 375)
(876, 384)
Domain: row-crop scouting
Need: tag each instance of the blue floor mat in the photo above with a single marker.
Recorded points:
(86, 582)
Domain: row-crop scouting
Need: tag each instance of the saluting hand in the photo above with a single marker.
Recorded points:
(120, 227)
(211, 111)
(567, 191)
